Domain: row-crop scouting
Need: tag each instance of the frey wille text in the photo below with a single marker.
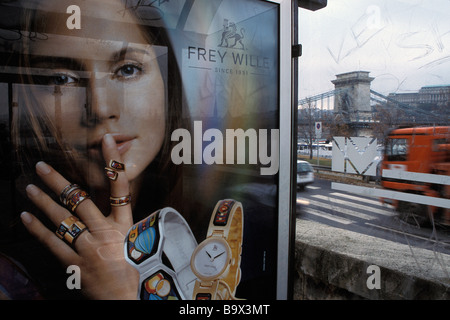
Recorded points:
(237, 58)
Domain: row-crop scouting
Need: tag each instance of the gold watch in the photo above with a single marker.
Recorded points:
(216, 261)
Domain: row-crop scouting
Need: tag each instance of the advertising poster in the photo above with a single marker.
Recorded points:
(141, 144)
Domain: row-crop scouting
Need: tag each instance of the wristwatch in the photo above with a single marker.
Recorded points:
(216, 261)
(160, 248)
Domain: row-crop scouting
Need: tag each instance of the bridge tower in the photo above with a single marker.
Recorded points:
(352, 100)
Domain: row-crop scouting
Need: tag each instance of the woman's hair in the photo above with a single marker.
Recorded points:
(35, 137)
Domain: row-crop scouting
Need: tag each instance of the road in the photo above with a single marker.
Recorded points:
(320, 203)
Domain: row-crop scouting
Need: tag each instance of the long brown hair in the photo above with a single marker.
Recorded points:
(35, 137)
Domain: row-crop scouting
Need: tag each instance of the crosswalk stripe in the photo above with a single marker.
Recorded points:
(328, 216)
(353, 205)
(356, 198)
(350, 212)
(313, 187)
(385, 206)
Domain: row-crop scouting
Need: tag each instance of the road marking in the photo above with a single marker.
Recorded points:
(330, 206)
(353, 205)
(365, 200)
(313, 187)
(328, 216)
(303, 202)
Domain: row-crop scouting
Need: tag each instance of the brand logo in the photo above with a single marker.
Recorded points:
(231, 36)
(233, 55)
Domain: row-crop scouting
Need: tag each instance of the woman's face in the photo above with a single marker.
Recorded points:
(102, 78)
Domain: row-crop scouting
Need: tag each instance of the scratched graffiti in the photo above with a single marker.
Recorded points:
(402, 43)
(405, 45)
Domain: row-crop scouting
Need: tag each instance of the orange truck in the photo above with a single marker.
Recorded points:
(423, 150)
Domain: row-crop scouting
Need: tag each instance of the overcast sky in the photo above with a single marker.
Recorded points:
(405, 44)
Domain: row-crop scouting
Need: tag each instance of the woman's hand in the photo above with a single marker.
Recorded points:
(99, 250)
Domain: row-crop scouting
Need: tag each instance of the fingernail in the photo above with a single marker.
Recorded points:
(26, 217)
(109, 140)
(42, 167)
(32, 190)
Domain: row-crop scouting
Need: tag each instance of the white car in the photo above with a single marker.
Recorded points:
(305, 174)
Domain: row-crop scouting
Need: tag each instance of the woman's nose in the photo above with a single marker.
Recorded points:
(101, 102)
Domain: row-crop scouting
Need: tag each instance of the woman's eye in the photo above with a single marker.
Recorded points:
(128, 71)
(62, 80)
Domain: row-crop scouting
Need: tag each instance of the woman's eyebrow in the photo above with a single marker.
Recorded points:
(59, 62)
(121, 54)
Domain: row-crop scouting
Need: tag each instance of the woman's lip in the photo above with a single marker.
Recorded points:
(124, 146)
(123, 142)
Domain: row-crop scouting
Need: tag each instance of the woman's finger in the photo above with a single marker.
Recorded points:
(120, 191)
(57, 246)
(85, 209)
(54, 211)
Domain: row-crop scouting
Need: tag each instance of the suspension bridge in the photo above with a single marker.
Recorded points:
(361, 107)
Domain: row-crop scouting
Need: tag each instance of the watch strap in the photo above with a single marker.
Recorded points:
(227, 221)
(214, 290)
(178, 245)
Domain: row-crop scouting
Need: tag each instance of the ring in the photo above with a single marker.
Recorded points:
(116, 165)
(120, 201)
(113, 169)
(70, 229)
(76, 198)
(66, 192)
(111, 174)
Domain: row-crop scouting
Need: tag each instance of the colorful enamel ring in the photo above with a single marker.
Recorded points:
(116, 165)
(119, 201)
(76, 198)
(70, 229)
(66, 192)
(113, 169)
(111, 174)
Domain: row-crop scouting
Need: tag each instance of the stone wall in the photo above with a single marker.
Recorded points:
(333, 264)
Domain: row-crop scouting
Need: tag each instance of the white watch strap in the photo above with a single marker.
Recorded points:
(178, 244)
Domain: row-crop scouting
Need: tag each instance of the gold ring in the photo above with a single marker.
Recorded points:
(113, 169)
(120, 201)
(116, 165)
(70, 229)
(66, 192)
(111, 174)
(76, 198)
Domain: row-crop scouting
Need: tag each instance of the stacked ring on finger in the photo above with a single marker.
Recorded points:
(119, 201)
(71, 196)
(70, 228)
(66, 192)
(76, 198)
(113, 169)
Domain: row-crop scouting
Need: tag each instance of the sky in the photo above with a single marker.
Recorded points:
(404, 44)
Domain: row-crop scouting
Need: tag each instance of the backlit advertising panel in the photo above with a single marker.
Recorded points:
(146, 149)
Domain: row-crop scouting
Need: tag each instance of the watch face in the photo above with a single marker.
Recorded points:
(211, 258)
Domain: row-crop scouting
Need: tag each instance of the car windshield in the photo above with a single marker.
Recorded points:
(303, 167)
